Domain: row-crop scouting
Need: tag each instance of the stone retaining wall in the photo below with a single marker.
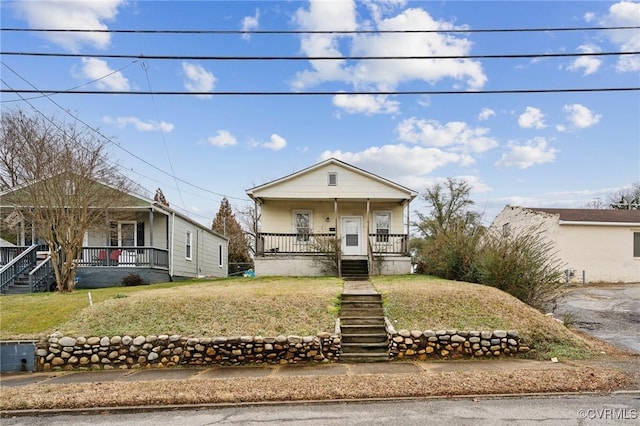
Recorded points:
(452, 344)
(106, 353)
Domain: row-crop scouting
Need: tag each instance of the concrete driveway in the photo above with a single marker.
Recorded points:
(609, 312)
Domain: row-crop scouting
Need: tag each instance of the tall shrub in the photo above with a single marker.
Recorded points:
(522, 263)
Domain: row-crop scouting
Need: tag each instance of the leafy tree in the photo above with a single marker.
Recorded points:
(225, 223)
(451, 232)
(64, 184)
(449, 206)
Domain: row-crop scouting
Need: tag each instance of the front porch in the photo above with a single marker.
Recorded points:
(25, 269)
(311, 254)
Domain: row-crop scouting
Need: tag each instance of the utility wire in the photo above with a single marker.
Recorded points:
(164, 139)
(241, 32)
(310, 58)
(109, 139)
(324, 93)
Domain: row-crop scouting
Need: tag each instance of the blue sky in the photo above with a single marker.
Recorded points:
(552, 150)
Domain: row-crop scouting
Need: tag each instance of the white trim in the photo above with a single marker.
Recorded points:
(586, 223)
(188, 242)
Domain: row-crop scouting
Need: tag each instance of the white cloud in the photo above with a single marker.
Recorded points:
(198, 79)
(140, 125)
(486, 113)
(366, 104)
(589, 17)
(397, 161)
(222, 138)
(589, 64)
(250, 23)
(108, 79)
(276, 143)
(456, 135)
(580, 116)
(531, 118)
(388, 74)
(531, 153)
(624, 13)
(65, 15)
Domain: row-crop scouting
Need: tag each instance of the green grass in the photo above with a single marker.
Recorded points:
(225, 307)
(270, 306)
(419, 302)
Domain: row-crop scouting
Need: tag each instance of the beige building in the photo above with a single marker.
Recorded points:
(595, 245)
(329, 218)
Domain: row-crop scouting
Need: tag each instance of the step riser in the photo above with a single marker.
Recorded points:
(364, 358)
(373, 338)
(361, 298)
(362, 313)
(358, 329)
(359, 305)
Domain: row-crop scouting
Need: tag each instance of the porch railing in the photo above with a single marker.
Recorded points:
(389, 244)
(22, 262)
(143, 257)
(279, 243)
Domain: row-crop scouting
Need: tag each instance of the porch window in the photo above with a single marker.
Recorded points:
(220, 258)
(302, 223)
(188, 246)
(383, 224)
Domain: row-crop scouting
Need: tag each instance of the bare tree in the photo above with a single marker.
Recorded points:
(63, 184)
(626, 199)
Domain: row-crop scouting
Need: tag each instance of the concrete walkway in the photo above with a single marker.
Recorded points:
(358, 287)
(338, 369)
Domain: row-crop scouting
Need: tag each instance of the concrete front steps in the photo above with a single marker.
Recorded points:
(364, 335)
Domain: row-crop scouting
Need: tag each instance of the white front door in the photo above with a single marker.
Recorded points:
(351, 235)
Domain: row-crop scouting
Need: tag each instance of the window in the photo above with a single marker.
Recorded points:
(332, 178)
(188, 246)
(302, 223)
(127, 234)
(69, 187)
(636, 244)
(220, 259)
(382, 224)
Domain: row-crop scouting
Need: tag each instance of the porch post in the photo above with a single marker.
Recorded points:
(151, 251)
(406, 241)
(335, 224)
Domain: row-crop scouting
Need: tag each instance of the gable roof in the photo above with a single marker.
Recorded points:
(407, 193)
(592, 215)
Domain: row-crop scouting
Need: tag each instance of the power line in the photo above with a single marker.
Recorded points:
(323, 93)
(109, 139)
(311, 58)
(283, 32)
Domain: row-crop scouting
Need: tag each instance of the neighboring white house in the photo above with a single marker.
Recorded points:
(155, 241)
(596, 245)
(332, 201)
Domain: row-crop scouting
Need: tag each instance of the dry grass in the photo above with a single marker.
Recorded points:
(232, 307)
(302, 388)
(422, 302)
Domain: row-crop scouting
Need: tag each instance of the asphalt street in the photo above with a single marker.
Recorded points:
(613, 409)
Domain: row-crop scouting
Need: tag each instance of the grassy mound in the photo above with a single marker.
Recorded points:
(419, 302)
(226, 307)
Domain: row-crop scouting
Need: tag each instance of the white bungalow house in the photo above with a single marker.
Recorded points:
(595, 245)
(155, 241)
(332, 218)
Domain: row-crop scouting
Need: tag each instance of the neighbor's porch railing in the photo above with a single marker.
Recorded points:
(279, 243)
(142, 257)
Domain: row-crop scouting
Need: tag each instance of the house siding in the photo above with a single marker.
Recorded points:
(603, 251)
(204, 255)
